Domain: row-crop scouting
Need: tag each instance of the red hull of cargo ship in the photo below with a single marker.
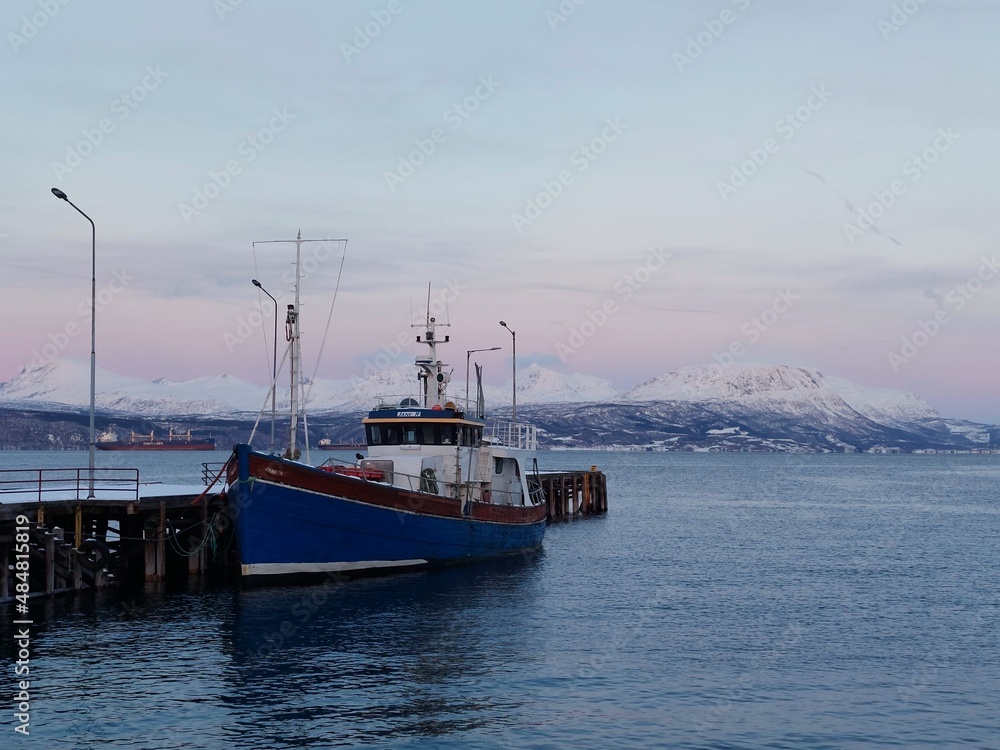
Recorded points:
(159, 445)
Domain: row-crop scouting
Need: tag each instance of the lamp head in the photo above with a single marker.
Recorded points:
(59, 194)
(255, 283)
(501, 322)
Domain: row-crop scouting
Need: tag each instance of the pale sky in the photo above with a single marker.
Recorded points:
(633, 186)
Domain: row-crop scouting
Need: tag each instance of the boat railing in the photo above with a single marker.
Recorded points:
(415, 401)
(514, 435)
(438, 487)
(536, 492)
(30, 485)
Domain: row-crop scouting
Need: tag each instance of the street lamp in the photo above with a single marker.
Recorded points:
(469, 353)
(274, 367)
(513, 336)
(93, 329)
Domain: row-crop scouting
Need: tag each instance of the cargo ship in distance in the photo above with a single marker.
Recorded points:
(328, 445)
(173, 442)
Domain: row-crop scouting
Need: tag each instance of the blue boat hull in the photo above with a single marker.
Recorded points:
(304, 522)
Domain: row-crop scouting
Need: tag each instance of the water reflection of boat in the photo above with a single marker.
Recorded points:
(378, 660)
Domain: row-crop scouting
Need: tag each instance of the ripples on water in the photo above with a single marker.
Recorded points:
(726, 601)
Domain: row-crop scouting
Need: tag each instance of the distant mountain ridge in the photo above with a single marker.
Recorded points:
(65, 382)
(743, 407)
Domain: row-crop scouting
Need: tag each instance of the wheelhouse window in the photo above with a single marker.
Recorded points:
(423, 434)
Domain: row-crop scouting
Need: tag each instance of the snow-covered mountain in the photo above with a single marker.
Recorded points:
(65, 382)
(883, 405)
(740, 407)
(714, 383)
(763, 387)
(539, 385)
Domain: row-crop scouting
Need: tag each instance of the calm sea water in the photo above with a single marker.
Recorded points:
(726, 601)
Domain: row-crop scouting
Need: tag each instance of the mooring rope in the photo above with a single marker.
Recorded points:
(209, 535)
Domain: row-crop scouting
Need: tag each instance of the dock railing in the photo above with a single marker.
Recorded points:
(514, 435)
(210, 469)
(28, 485)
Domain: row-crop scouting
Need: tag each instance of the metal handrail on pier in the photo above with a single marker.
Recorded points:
(70, 484)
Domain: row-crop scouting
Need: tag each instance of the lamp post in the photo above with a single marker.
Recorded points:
(93, 330)
(468, 354)
(274, 367)
(513, 336)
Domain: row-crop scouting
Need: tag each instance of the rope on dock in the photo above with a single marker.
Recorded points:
(209, 534)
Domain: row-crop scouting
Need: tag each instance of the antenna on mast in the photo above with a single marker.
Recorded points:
(434, 381)
(292, 334)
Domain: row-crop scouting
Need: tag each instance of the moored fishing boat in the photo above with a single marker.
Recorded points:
(436, 487)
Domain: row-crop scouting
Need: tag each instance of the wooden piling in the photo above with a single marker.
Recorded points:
(50, 562)
(5, 559)
(139, 549)
(149, 550)
(571, 494)
(161, 544)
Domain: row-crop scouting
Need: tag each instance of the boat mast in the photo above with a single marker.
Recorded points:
(292, 336)
(296, 358)
(435, 380)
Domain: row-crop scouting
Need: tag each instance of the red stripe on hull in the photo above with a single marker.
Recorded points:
(325, 483)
